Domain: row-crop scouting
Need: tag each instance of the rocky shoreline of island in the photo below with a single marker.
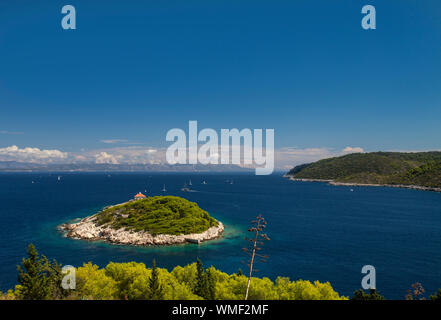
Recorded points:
(355, 184)
(88, 229)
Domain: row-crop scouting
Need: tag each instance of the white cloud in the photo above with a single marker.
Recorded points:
(14, 153)
(127, 155)
(104, 157)
(353, 150)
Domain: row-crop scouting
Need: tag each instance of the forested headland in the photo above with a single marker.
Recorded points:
(382, 168)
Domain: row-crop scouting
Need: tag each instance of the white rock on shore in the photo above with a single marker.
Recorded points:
(87, 229)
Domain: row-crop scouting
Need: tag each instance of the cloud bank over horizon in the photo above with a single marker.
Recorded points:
(285, 158)
(34, 155)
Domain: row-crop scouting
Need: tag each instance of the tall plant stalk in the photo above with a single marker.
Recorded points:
(258, 226)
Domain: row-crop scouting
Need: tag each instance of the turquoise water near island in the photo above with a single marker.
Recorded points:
(318, 232)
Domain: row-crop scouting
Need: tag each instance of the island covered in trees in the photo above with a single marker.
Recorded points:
(159, 220)
(416, 170)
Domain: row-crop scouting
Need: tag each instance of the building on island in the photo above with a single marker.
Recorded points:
(139, 196)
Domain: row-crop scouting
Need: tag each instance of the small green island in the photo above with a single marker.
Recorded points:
(414, 170)
(159, 220)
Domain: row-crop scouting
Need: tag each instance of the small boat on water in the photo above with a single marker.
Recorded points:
(204, 182)
(185, 188)
(190, 184)
(163, 189)
(59, 178)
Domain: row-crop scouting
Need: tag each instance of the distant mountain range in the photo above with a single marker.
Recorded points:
(14, 166)
(391, 168)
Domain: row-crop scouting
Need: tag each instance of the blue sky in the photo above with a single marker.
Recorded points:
(135, 69)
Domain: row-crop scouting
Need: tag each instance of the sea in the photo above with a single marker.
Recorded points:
(317, 231)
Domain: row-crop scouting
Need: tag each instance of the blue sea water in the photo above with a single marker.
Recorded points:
(318, 232)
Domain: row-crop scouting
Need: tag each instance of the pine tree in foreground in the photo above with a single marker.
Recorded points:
(156, 291)
(205, 283)
(201, 280)
(33, 276)
(211, 285)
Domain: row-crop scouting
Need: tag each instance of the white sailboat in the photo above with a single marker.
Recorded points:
(190, 184)
(163, 189)
(204, 182)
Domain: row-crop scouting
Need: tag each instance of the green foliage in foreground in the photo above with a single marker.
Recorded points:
(205, 284)
(156, 292)
(38, 278)
(436, 296)
(419, 168)
(132, 281)
(158, 215)
(135, 281)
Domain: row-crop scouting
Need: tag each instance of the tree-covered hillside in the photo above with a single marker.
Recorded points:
(419, 168)
(158, 215)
